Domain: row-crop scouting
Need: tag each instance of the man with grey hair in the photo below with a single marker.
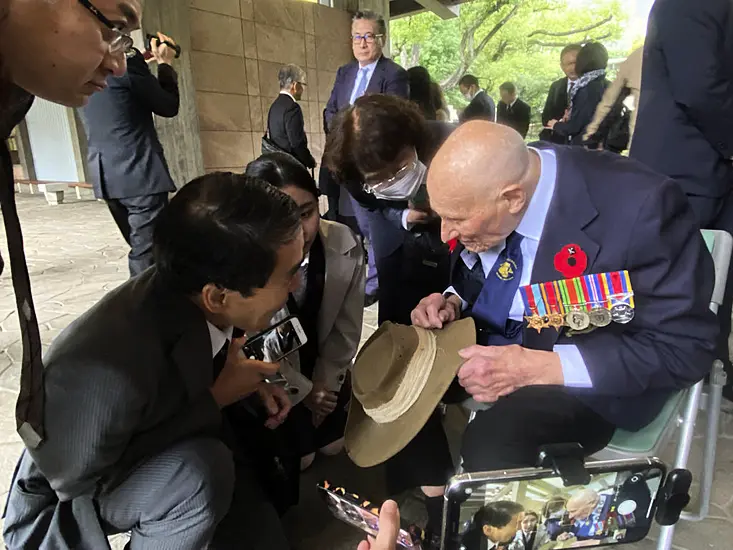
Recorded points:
(524, 215)
(285, 123)
(370, 73)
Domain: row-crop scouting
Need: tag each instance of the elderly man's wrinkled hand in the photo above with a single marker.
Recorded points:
(436, 311)
(491, 372)
(276, 402)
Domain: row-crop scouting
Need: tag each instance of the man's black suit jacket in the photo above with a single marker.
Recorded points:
(684, 125)
(286, 127)
(555, 105)
(125, 157)
(517, 116)
(482, 107)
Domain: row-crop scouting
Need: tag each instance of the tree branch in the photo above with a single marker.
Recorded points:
(563, 44)
(573, 31)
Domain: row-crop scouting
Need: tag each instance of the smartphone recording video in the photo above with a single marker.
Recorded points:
(532, 508)
(277, 342)
(350, 509)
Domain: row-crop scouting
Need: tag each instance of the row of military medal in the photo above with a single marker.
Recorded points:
(594, 300)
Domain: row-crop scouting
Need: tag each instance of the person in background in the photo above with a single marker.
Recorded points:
(441, 113)
(386, 143)
(495, 524)
(125, 157)
(121, 454)
(421, 91)
(625, 89)
(329, 304)
(586, 94)
(531, 535)
(370, 73)
(513, 112)
(685, 116)
(481, 105)
(558, 98)
(285, 124)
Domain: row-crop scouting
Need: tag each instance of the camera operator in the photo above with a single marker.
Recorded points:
(126, 160)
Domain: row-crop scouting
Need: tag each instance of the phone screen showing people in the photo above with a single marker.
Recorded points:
(360, 513)
(277, 342)
(543, 514)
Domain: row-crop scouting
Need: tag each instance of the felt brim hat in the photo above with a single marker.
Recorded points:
(398, 379)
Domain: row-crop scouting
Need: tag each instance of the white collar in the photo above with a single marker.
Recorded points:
(219, 337)
(283, 92)
(513, 102)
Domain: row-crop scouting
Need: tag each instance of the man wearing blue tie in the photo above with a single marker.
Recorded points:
(556, 220)
(370, 73)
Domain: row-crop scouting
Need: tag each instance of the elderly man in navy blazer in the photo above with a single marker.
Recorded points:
(370, 73)
(528, 215)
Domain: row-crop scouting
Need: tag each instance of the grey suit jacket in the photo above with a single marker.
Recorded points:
(340, 316)
(126, 380)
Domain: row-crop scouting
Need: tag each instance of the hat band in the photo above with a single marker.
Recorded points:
(416, 377)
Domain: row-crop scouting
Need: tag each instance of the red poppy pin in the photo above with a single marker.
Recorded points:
(571, 261)
(452, 244)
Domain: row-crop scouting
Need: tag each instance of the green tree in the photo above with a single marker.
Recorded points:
(504, 40)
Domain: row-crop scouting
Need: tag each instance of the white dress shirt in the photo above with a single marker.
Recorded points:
(574, 368)
(284, 92)
(219, 337)
(360, 71)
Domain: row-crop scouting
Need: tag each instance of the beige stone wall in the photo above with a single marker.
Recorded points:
(237, 48)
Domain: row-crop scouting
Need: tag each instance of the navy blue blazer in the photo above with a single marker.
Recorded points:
(685, 115)
(125, 156)
(625, 216)
(388, 78)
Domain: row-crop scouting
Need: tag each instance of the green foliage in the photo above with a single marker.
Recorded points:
(526, 37)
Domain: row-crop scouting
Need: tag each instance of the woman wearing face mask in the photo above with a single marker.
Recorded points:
(380, 148)
(329, 304)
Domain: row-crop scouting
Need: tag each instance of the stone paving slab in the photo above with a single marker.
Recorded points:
(75, 255)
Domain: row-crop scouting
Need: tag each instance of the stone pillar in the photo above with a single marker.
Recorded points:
(180, 135)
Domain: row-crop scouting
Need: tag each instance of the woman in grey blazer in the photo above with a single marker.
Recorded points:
(329, 304)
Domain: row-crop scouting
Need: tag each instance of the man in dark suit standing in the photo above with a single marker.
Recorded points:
(685, 115)
(513, 112)
(558, 98)
(126, 160)
(285, 124)
(134, 388)
(558, 213)
(370, 73)
(481, 106)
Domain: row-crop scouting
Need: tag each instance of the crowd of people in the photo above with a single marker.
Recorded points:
(564, 286)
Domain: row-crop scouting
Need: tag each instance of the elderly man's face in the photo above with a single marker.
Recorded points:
(478, 224)
(369, 48)
(59, 50)
(567, 63)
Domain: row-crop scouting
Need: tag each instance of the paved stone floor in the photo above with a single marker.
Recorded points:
(75, 255)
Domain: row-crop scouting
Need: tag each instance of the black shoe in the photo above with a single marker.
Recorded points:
(370, 300)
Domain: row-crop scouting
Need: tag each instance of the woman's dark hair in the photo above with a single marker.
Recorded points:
(224, 229)
(281, 170)
(373, 133)
(421, 92)
(437, 97)
(591, 57)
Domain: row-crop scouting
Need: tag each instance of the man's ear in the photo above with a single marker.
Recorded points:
(487, 531)
(515, 196)
(213, 298)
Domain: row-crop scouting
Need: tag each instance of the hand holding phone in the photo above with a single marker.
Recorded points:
(240, 376)
(389, 528)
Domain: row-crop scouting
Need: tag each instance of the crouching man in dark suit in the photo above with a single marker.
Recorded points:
(553, 214)
(126, 161)
(134, 388)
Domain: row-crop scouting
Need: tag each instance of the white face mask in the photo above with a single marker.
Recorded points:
(468, 96)
(406, 186)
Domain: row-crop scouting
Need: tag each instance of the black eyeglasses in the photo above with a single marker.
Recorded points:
(120, 41)
(369, 37)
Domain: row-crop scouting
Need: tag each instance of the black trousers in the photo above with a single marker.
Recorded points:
(135, 217)
(508, 435)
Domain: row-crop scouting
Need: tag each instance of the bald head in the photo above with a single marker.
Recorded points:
(483, 174)
(582, 504)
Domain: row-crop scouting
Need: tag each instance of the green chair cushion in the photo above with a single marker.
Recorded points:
(648, 439)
